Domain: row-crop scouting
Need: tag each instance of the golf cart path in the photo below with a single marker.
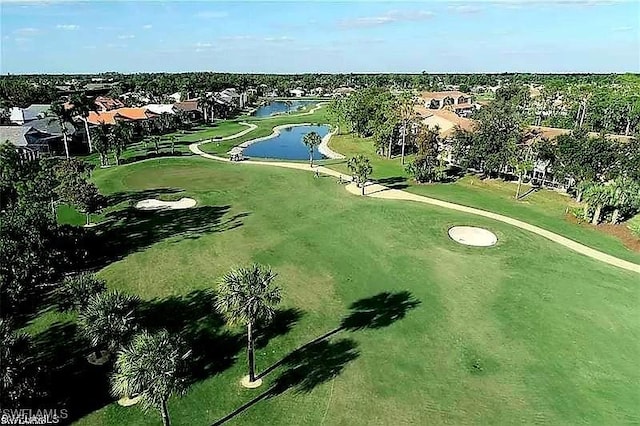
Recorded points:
(380, 191)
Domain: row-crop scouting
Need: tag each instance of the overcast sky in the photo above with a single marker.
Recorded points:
(295, 37)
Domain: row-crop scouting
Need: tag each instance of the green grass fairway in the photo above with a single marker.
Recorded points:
(544, 208)
(523, 332)
(265, 128)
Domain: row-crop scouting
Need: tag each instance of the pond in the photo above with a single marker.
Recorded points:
(288, 144)
(280, 107)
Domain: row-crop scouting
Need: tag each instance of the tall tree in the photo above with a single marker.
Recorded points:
(361, 169)
(102, 142)
(407, 115)
(120, 135)
(82, 107)
(152, 367)
(64, 117)
(247, 296)
(311, 141)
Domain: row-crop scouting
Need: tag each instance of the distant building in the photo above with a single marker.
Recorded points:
(298, 93)
(343, 91)
(161, 108)
(439, 100)
(24, 115)
(104, 103)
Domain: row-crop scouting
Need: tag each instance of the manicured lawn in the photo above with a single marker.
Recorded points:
(265, 128)
(544, 208)
(523, 332)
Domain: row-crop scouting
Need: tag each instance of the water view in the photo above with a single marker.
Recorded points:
(281, 107)
(288, 144)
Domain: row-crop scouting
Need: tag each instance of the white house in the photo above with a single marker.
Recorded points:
(161, 108)
(298, 93)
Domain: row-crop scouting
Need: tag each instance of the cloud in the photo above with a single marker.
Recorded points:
(126, 36)
(203, 45)
(67, 27)
(147, 27)
(622, 29)
(27, 31)
(107, 28)
(465, 9)
(282, 39)
(387, 18)
(211, 14)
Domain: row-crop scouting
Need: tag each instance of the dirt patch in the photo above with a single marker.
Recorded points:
(619, 231)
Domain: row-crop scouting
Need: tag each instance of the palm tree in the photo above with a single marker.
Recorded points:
(63, 116)
(120, 136)
(108, 320)
(82, 107)
(151, 367)
(77, 290)
(311, 140)
(246, 296)
(521, 166)
(102, 141)
(156, 142)
(173, 139)
(597, 195)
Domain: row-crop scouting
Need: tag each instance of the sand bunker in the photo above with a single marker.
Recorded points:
(153, 204)
(472, 236)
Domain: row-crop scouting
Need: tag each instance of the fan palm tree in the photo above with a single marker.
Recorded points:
(246, 296)
(597, 195)
(151, 367)
(63, 116)
(108, 320)
(311, 140)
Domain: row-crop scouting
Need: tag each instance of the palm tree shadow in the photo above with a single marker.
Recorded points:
(307, 368)
(379, 311)
(213, 347)
(321, 360)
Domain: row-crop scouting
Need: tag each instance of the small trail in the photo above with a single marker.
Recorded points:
(375, 190)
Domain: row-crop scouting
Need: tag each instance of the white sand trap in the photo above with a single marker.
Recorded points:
(153, 204)
(472, 236)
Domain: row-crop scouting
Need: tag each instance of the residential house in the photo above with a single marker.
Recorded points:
(318, 91)
(439, 100)
(298, 93)
(21, 116)
(190, 109)
(343, 91)
(161, 108)
(104, 103)
(232, 97)
(120, 114)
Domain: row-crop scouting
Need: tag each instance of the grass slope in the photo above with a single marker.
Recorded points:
(522, 332)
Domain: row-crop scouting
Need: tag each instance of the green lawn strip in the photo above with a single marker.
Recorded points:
(524, 330)
(545, 208)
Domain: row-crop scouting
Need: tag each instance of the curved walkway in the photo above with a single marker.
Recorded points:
(380, 191)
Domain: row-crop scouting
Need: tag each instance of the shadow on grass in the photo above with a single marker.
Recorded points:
(321, 360)
(396, 182)
(68, 379)
(194, 319)
(72, 383)
(130, 230)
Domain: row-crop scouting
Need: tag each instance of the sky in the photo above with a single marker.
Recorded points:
(320, 36)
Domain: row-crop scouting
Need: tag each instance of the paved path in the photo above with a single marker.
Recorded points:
(380, 191)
